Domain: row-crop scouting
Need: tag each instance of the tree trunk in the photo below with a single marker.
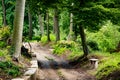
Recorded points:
(84, 43)
(41, 25)
(70, 36)
(56, 24)
(75, 32)
(18, 28)
(4, 13)
(30, 23)
(48, 28)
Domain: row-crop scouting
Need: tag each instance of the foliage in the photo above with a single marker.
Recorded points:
(2, 44)
(106, 39)
(5, 32)
(98, 8)
(52, 37)
(36, 38)
(62, 46)
(0, 19)
(93, 45)
(9, 68)
(64, 22)
(108, 63)
(59, 50)
(44, 38)
(2, 53)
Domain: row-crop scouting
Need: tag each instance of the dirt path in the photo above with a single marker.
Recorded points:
(55, 68)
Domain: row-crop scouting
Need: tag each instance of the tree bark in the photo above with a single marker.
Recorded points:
(30, 23)
(48, 28)
(84, 43)
(4, 13)
(70, 36)
(18, 28)
(56, 24)
(41, 24)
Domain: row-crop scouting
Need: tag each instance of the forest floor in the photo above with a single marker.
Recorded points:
(52, 67)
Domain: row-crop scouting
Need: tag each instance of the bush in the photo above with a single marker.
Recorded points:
(36, 38)
(44, 39)
(63, 46)
(106, 39)
(93, 45)
(4, 32)
(108, 63)
(10, 68)
(2, 44)
(52, 37)
(106, 71)
(59, 50)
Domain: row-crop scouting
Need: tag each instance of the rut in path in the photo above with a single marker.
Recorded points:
(55, 68)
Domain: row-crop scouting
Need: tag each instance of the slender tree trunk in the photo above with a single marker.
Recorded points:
(48, 28)
(4, 13)
(30, 23)
(75, 31)
(41, 25)
(18, 28)
(84, 43)
(70, 36)
(56, 24)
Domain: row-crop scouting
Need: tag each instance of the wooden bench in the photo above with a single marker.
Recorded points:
(94, 63)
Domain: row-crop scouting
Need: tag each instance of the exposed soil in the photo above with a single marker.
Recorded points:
(52, 67)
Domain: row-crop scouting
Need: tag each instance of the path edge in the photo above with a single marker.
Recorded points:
(31, 72)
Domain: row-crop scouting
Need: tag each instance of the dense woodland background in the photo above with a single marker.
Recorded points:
(84, 28)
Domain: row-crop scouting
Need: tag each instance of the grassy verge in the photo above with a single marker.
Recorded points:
(108, 65)
(10, 69)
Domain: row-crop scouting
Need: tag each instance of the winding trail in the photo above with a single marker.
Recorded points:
(52, 67)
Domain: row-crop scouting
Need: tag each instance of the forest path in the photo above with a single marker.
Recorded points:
(52, 67)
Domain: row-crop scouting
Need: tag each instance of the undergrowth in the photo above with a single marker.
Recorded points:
(67, 47)
(44, 38)
(7, 67)
(10, 68)
(108, 64)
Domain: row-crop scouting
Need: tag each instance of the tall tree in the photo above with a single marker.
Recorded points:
(83, 39)
(70, 35)
(30, 23)
(56, 24)
(48, 27)
(41, 24)
(4, 13)
(18, 28)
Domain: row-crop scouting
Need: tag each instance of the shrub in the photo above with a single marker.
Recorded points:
(59, 50)
(4, 32)
(52, 37)
(2, 44)
(108, 64)
(36, 38)
(104, 72)
(63, 46)
(44, 39)
(10, 68)
(106, 38)
(93, 45)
